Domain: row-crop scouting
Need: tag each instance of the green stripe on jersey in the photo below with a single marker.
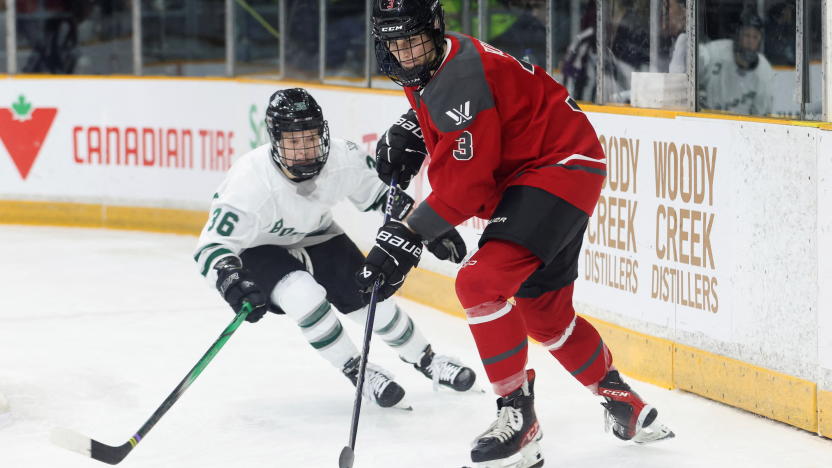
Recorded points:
(209, 246)
(212, 257)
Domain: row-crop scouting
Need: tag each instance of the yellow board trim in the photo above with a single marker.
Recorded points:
(647, 358)
(825, 413)
(642, 357)
(102, 216)
(771, 394)
(433, 290)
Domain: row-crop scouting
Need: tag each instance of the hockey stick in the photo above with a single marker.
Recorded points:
(347, 456)
(92, 448)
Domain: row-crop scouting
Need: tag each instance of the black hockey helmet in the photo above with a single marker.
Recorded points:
(295, 110)
(395, 23)
(748, 19)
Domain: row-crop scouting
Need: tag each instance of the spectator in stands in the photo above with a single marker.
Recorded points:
(515, 26)
(629, 32)
(627, 50)
(579, 63)
(302, 46)
(780, 34)
(733, 75)
(50, 30)
(345, 37)
(525, 37)
(676, 25)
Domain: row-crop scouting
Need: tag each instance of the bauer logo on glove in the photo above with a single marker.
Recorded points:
(403, 244)
(396, 252)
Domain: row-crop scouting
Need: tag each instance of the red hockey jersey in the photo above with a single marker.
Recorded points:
(491, 121)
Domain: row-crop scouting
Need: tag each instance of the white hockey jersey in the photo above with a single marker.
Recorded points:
(725, 86)
(257, 204)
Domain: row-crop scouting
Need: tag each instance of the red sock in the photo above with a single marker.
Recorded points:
(551, 320)
(584, 354)
(502, 343)
(492, 275)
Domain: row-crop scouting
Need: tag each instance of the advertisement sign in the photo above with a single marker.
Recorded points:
(657, 247)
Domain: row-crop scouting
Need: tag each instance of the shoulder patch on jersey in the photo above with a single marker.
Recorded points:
(460, 91)
(351, 146)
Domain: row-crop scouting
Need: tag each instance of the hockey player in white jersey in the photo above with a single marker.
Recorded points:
(733, 75)
(271, 240)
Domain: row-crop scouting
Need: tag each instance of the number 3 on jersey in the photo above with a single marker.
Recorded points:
(464, 146)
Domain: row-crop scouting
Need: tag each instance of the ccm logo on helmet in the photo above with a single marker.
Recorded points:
(392, 28)
(397, 241)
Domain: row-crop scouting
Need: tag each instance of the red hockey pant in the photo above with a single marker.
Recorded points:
(500, 329)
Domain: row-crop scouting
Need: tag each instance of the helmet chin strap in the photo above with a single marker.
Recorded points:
(293, 177)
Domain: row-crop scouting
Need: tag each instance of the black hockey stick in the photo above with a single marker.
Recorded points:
(347, 456)
(92, 448)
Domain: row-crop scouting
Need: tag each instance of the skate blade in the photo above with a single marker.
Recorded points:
(402, 405)
(476, 388)
(653, 433)
(528, 457)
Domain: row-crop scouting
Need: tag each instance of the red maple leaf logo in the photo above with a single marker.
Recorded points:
(22, 131)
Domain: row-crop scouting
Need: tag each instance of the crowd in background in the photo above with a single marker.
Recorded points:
(745, 47)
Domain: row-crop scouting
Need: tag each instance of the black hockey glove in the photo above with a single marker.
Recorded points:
(402, 205)
(448, 246)
(234, 286)
(397, 250)
(401, 150)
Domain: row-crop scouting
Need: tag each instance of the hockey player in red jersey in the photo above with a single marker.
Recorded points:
(507, 144)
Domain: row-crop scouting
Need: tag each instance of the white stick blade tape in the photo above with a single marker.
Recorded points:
(71, 440)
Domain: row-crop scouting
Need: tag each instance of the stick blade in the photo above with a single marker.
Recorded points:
(79, 443)
(71, 440)
(346, 458)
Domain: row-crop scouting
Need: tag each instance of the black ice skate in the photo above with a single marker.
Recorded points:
(378, 384)
(512, 440)
(445, 371)
(628, 415)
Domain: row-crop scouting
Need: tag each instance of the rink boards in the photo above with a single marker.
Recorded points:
(706, 265)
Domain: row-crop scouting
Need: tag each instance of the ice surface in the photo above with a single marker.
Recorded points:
(98, 326)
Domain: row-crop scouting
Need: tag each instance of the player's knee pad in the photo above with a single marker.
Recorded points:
(298, 294)
(479, 283)
(553, 338)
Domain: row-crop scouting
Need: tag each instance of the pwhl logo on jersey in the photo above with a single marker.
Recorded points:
(461, 114)
(22, 130)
